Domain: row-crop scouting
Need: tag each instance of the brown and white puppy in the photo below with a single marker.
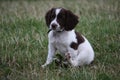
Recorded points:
(65, 39)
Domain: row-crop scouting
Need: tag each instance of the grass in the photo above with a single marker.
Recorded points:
(23, 40)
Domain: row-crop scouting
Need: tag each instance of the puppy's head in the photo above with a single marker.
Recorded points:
(60, 19)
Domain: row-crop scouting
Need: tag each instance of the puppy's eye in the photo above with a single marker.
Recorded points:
(61, 16)
(52, 16)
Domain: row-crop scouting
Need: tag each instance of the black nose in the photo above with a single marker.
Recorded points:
(54, 26)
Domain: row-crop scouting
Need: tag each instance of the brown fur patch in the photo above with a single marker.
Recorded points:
(80, 40)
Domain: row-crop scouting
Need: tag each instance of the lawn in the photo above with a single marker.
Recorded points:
(23, 39)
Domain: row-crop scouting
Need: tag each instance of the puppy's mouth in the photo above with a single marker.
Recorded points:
(56, 29)
(49, 30)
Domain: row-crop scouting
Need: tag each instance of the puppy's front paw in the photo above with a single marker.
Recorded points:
(44, 65)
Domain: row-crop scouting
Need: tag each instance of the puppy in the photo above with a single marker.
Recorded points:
(65, 39)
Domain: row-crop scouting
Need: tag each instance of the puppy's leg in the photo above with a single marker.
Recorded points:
(71, 60)
(51, 53)
(83, 58)
(67, 56)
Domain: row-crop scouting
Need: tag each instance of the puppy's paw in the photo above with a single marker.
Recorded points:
(68, 56)
(44, 65)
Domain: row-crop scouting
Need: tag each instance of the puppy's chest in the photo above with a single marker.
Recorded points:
(61, 43)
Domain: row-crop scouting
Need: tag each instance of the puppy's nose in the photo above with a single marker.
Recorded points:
(54, 26)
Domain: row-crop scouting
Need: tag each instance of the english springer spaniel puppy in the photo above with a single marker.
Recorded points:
(65, 39)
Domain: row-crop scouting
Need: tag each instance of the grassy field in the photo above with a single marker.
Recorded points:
(23, 40)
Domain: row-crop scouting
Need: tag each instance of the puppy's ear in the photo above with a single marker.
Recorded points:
(71, 20)
(48, 16)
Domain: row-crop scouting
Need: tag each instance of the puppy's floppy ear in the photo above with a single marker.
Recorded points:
(48, 16)
(71, 20)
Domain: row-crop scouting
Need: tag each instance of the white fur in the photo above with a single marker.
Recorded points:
(61, 41)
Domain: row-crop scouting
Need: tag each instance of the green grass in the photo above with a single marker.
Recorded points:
(23, 40)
